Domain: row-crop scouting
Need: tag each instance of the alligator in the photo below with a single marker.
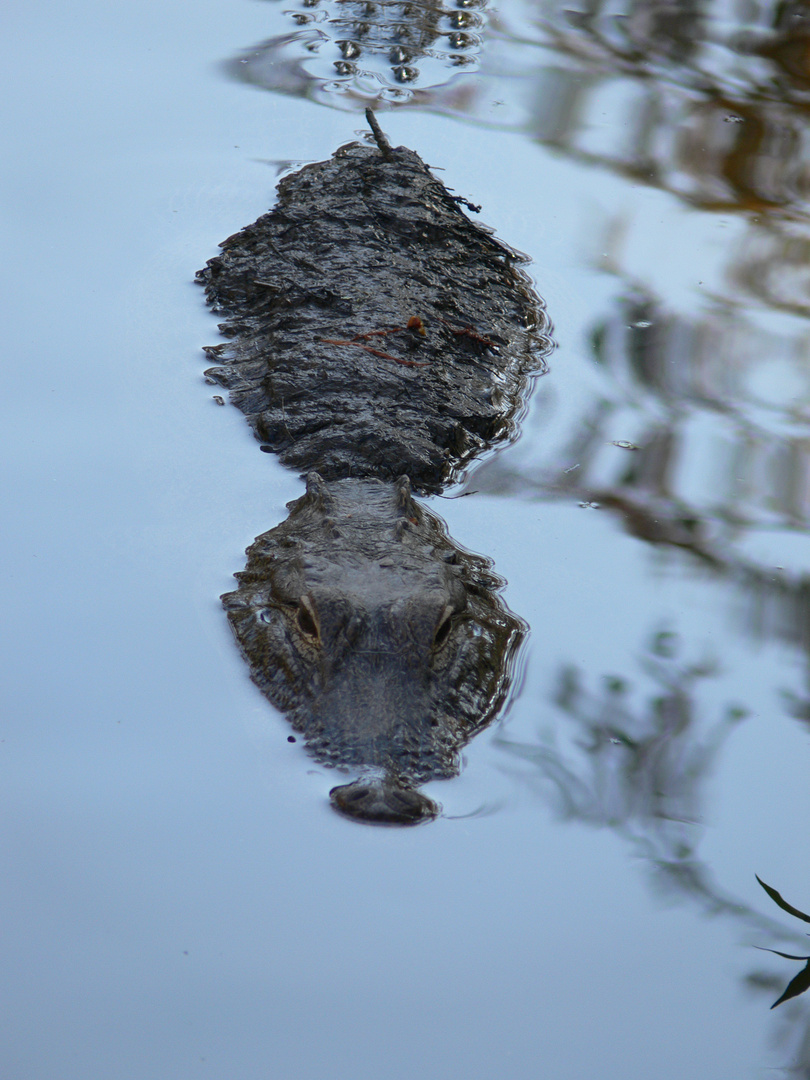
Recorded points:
(349, 50)
(378, 341)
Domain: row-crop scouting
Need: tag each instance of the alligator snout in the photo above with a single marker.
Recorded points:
(383, 802)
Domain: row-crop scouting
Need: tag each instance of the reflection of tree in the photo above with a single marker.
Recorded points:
(640, 769)
(708, 102)
(699, 442)
(696, 100)
(731, 399)
(639, 764)
(684, 42)
(715, 113)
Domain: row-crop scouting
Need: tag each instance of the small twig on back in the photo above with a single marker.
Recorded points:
(379, 136)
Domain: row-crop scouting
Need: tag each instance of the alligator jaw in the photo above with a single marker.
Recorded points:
(383, 802)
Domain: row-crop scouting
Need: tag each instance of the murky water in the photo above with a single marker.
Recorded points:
(178, 900)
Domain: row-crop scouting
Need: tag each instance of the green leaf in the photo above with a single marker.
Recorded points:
(783, 904)
(795, 986)
(787, 955)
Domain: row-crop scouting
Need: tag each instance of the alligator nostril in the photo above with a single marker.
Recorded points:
(383, 803)
(354, 795)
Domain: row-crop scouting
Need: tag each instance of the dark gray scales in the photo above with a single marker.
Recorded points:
(317, 297)
(374, 334)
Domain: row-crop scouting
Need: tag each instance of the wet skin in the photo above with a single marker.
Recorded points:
(374, 333)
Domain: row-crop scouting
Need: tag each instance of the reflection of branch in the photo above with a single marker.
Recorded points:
(670, 375)
(641, 771)
(653, 45)
(778, 601)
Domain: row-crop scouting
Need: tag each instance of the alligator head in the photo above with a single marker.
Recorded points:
(386, 645)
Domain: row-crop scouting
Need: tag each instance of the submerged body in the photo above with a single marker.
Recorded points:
(375, 334)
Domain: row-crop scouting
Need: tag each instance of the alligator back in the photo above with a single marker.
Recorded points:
(374, 329)
(371, 50)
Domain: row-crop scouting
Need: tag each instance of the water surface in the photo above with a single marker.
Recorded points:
(178, 899)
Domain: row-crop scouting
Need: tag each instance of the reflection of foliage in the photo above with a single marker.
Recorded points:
(801, 982)
(708, 75)
(641, 770)
(639, 764)
(754, 54)
(708, 102)
(719, 462)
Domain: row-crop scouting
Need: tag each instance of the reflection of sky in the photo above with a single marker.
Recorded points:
(176, 888)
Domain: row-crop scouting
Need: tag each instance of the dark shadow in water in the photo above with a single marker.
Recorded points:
(375, 334)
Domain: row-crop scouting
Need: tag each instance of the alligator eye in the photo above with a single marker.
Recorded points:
(306, 620)
(443, 629)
